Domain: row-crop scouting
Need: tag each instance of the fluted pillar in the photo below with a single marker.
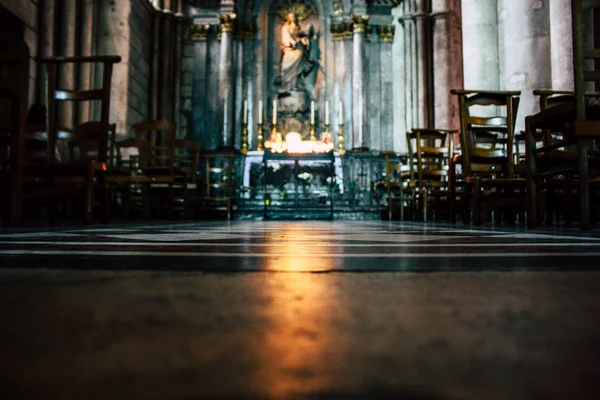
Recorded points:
(423, 64)
(154, 66)
(113, 35)
(386, 39)
(200, 34)
(561, 44)
(359, 87)
(66, 72)
(45, 43)
(341, 97)
(480, 44)
(86, 35)
(525, 58)
(164, 111)
(447, 61)
(226, 84)
(176, 82)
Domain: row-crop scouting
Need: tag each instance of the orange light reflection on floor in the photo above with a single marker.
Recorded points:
(298, 338)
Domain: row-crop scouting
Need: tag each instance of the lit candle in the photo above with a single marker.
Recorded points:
(341, 112)
(274, 111)
(260, 112)
(312, 112)
(326, 113)
(245, 111)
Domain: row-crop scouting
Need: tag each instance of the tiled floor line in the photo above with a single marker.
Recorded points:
(287, 243)
(287, 255)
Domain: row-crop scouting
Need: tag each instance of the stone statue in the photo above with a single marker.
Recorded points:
(295, 61)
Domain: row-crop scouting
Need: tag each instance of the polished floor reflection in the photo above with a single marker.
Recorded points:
(285, 310)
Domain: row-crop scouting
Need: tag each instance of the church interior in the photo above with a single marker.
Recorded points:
(281, 199)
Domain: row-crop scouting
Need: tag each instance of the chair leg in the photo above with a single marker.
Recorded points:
(584, 187)
(477, 202)
(425, 201)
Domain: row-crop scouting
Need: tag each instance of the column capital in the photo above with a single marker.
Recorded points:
(341, 31)
(200, 32)
(246, 30)
(385, 32)
(359, 22)
(227, 22)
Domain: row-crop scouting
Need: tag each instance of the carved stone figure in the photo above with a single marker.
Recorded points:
(295, 61)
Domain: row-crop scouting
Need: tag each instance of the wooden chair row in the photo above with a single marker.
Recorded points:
(47, 159)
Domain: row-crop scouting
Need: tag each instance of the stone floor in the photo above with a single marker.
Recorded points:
(286, 310)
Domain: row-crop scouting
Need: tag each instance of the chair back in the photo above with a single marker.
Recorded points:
(586, 57)
(88, 131)
(430, 151)
(187, 156)
(156, 141)
(487, 142)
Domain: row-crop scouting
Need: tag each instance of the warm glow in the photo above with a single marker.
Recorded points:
(299, 335)
(293, 143)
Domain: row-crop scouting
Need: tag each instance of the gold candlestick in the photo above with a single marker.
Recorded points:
(260, 139)
(312, 132)
(244, 149)
(341, 148)
(326, 136)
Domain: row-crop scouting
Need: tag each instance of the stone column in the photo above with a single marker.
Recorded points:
(561, 45)
(164, 112)
(348, 112)
(86, 36)
(199, 89)
(480, 44)
(113, 36)
(447, 61)
(359, 89)
(374, 85)
(178, 44)
(154, 65)
(46, 44)
(337, 31)
(526, 51)
(226, 84)
(409, 58)
(399, 72)
(423, 64)
(66, 72)
(238, 112)
(386, 38)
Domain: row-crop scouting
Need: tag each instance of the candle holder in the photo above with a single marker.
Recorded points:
(312, 132)
(276, 139)
(326, 136)
(260, 138)
(341, 148)
(244, 149)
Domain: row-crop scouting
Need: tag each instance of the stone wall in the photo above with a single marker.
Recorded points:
(138, 94)
(27, 12)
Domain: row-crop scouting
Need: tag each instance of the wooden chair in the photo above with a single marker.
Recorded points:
(217, 183)
(187, 156)
(487, 155)
(396, 177)
(551, 163)
(156, 168)
(14, 79)
(430, 152)
(586, 128)
(83, 176)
